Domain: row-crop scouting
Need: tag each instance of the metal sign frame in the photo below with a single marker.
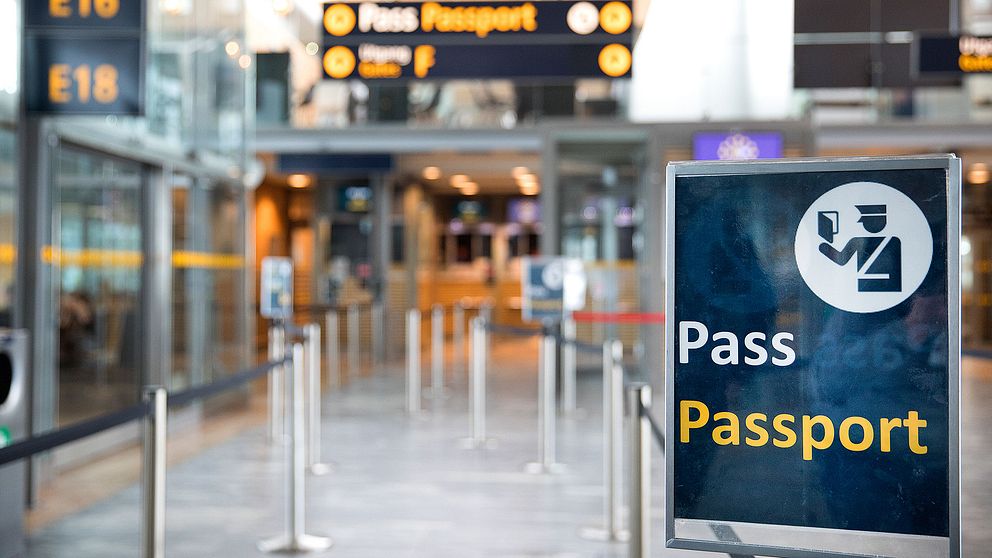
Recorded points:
(730, 544)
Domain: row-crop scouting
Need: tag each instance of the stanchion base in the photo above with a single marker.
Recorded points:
(321, 469)
(536, 468)
(473, 443)
(288, 544)
(604, 535)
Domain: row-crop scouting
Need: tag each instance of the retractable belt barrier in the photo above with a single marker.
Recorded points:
(639, 398)
(51, 440)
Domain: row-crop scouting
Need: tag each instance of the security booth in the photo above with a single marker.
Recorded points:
(813, 357)
(14, 398)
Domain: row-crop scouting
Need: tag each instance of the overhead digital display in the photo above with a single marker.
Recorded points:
(952, 54)
(450, 40)
(84, 76)
(85, 14)
(84, 57)
(403, 22)
(477, 61)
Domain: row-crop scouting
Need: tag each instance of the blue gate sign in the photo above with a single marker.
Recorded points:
(276, 288)
(813, 357)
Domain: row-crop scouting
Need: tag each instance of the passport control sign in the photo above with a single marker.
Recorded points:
(813, 357)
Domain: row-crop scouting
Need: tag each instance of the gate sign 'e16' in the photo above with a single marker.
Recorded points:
(277, 288)
(551, 286)
(813, 357)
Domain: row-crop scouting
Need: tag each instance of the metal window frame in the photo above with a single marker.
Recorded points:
(952, 166)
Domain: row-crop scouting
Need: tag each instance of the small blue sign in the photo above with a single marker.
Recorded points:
(736, 146)
(276, 288)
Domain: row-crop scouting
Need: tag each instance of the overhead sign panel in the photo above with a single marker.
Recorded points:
(448, 40)
(375, 62)
(813, 357)
(953, 54)
(85, 14)
(83, 76)
(458, 22)
(84, 57)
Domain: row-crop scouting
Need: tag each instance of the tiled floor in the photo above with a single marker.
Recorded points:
(405, 487)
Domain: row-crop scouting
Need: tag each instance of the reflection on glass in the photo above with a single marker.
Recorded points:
(8, 208)
(97, 260)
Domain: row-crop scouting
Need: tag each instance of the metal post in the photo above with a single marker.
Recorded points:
(333, 349)
(477, 385)
(311, 333)
(277, 348)
(546, 407)
(612, 445)
(378, 332)
(639, 402)
(353, 346)
(294, 539)
(458, 335)
(568, 358)
(153, 474)
(437, 352)
(413, 361)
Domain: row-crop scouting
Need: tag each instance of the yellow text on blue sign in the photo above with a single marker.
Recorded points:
(816, 432)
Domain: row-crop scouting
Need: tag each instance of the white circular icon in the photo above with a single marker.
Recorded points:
(863, 247)
(553, 276)
(582, 18)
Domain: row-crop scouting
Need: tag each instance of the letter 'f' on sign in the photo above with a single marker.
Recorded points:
(423, 60)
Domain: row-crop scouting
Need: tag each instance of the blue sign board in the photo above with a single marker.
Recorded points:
(736, 146)
(813, 355)
(276, 291)
(550, 286)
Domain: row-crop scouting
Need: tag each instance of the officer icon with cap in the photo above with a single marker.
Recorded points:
(879, 257)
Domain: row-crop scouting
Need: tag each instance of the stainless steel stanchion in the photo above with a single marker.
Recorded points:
(354, 356)
(378, 332)
(477, 386)
(294, 539)
(413, 361)
(311, 333)
(153, 474)
(612, 445)
(638, 402)
(458, 337)
(437, 352)
(568, 363)
(277, 351)
(546, 408)
(333, 349)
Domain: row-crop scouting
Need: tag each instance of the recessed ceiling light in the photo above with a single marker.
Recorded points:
(298, 180)
(470, 188)
(432, 173)
(517, 172)
(458, 180)
(978, 173)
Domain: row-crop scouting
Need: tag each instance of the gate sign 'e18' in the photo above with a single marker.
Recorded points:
(277, 288)
(813, 357)
(551, 286)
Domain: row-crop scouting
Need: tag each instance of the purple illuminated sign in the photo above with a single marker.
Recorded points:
(736, 146)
